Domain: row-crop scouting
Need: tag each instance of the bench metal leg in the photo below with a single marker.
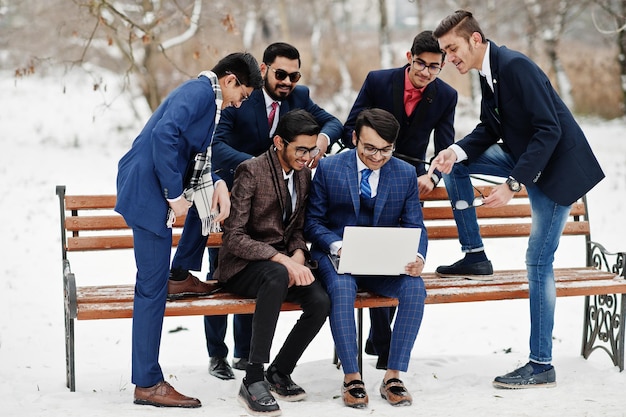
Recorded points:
(604, 326)
(69, 296)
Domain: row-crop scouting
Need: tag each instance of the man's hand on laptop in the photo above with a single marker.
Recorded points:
(415, 269)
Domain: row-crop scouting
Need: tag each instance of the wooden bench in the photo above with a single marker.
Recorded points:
(88, 223)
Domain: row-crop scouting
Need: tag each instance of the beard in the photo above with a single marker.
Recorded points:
(272, 92)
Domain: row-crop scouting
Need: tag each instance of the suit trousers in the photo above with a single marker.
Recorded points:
(342, 289)
(268, 281)
(188, 256)
(152, 256)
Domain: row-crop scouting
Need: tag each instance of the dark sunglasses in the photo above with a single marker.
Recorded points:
(280, 75)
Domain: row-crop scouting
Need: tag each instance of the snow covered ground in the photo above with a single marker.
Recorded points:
(56, 130)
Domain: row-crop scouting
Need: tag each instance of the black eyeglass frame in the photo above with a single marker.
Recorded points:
(302, 150)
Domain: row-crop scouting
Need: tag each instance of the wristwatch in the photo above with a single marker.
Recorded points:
(513, 184)
(434, 178)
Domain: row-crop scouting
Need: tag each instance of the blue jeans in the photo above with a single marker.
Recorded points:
(548, 221)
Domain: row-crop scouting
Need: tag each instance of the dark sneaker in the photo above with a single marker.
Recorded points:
(482, 271)
(258, 399)
(354, 394)
(524, 378)
(395, 392)
(220, 368)
(283, 386)
(240, 363)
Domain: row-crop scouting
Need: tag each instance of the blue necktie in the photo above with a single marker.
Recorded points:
(366, 190)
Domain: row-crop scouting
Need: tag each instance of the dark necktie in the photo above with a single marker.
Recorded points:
(288, 208)
(366, 190)
(272, 115)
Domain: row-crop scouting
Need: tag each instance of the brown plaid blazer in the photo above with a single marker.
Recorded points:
(255, 231)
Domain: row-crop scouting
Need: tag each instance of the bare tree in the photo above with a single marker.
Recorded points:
(610, 18)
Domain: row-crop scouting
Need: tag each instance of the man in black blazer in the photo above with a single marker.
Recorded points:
(239, 136)
(424, 105)
(527, 135)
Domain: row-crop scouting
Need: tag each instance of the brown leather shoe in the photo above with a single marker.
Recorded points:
(164, 395)
(190, 286)
(395, 392)
(354, 394)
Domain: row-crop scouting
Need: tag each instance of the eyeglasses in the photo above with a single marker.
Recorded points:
(419, 65)
(245, 94)
(280, 75)
(370, 150)
(302, 151)
(463, 204)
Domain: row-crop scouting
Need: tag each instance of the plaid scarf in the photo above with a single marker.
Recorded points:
(200, 188)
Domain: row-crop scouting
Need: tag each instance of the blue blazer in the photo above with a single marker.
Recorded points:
(384, 89)
(243, 133)
(161, 158)
(334, 200)
(548, 146)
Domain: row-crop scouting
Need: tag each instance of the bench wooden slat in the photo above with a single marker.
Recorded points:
(90, 202)
(503, 230)
(112, 222)
(507, 212)
(116, 301)
(91, 243)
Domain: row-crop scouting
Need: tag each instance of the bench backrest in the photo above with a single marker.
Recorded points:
(88, 222)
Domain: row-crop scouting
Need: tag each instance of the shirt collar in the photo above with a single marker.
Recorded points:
(268, 99)
(486, 67)
(408, 86)
(360, 166)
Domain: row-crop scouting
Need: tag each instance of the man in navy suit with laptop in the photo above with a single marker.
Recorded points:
(239, 136)
(367, 186)
(527, 135)
(424, 105)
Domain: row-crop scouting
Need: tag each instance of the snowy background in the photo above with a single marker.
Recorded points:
(58, 130)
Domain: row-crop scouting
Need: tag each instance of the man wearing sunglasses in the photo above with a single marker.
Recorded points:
(422, 104)
(241, 135)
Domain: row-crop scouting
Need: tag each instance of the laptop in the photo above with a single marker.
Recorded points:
(377, 250)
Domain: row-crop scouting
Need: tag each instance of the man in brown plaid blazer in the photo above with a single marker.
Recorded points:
(264, 256)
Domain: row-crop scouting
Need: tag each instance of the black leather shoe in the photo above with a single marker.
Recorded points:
(258, 399)
(478, 270)
(240, 363)
(283, 386)
(220, 368)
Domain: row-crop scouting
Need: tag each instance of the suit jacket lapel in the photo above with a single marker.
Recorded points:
(352, 179)
(398, 93)
(260, 113)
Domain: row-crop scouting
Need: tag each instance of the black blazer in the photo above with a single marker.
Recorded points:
(548, 146)
(384, 89)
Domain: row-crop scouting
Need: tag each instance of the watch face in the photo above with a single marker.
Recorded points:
(513, 185)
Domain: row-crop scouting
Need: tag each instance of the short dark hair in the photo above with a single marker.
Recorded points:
(383, 122)
(296, 122)
(462, 23)
(243, 65)
(280, 49)
(426, 42)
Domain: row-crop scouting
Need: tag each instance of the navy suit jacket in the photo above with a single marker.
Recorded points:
(384, 89)
(244, 133)
(548, 146)
(160, 160)
(334, 201)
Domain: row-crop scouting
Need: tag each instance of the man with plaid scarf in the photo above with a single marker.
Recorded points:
(150, 193)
